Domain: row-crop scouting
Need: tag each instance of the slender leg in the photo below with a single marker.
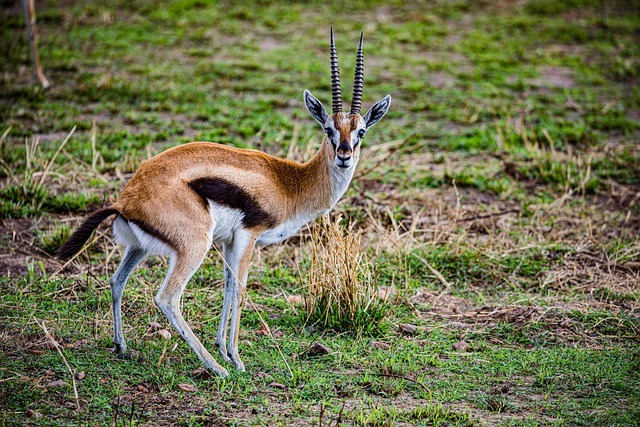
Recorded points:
(30, 16)
(132, 257)
(182, 267)
(243, 245)
(229, 283)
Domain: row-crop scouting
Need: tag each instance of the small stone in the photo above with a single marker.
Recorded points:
(407, 328)
(264, 375)
(278, 386)
(164, 334)
(81, 375)
(190, 388)
(461, 346)
(57, 383)
(201, 372)
(295, 299)
(384, 292)
(33, 414)
(154, 326)
(379, 344)
(122, 400)
(262, 331)
(277, 333)
(318, 349)
(142, 388)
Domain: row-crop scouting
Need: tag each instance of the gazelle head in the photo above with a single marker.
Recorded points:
(344, 131)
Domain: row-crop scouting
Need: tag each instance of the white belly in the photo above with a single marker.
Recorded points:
(284, 230)
(225, 222)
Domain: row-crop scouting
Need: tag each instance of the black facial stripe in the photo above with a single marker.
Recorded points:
(225, 193)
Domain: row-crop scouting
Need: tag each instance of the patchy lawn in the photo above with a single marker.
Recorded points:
(499, 202)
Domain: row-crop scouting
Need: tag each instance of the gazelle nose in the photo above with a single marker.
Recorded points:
(344, 147)
(344, 158)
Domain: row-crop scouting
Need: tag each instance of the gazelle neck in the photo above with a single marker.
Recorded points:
(322, 183)
(312, 189)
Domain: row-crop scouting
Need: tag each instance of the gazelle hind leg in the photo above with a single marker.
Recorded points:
(132, 257)
(182, 267)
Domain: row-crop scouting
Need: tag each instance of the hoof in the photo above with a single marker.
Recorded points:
(219, 371)
(124, 356)
(237, 363)
(120, 349)
(222, 352)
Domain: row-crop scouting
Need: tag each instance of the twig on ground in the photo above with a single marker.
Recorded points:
(434, 271)
(402, 377)
(71, 373)
(53, 159)
(485, 216)
(339, 420)
(321, 415)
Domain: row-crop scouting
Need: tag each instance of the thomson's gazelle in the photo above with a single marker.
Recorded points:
(181, 201)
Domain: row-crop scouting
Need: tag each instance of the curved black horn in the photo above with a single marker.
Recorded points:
(336, 97)
(356, 104)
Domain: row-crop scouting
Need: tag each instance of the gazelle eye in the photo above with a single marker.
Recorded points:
(361, 133)
(329, 133)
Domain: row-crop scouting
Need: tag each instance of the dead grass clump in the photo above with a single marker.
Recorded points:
(341, 295)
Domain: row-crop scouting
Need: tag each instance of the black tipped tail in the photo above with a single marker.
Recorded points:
(73, 245)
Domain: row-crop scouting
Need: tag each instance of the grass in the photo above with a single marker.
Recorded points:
(497, 205)
(341, 295)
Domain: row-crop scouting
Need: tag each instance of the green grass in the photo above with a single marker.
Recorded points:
(497, 202)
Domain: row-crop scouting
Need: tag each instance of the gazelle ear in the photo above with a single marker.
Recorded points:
(315, 107)
(378, 111)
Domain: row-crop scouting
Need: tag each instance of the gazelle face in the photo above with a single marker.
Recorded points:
(344, 135)
(345, 131)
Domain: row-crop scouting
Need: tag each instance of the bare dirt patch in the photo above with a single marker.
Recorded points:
(270, 43)
(441, 80)
(17, 249)
(554, 77)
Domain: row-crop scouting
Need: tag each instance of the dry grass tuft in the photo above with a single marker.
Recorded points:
(341, 295)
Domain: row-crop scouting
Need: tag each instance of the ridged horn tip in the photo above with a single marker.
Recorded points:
(358, 81)
(336, 96)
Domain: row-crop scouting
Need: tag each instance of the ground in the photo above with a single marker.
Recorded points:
(497, 201)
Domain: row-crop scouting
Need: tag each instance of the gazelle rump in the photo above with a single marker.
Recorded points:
(183, 200)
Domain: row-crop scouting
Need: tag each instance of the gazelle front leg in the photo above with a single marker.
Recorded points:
(239, 258)
(229, 283)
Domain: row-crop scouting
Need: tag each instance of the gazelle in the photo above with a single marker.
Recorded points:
(183, 200)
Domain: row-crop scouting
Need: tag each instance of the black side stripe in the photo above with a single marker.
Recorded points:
(225, 193)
